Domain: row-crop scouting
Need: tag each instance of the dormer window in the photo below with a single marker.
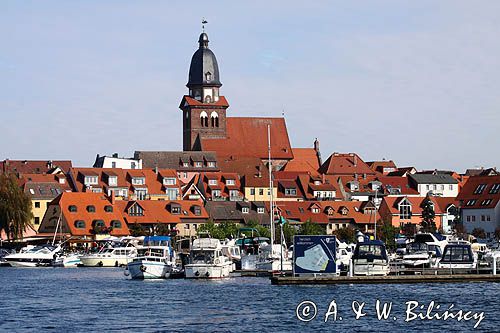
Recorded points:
(260, 210)
(495, 189)
(317, 182)
(72, 209)
(185, 164)
(208, 76)
(216, 193)
(112, 181)
(108, 209)
(245, 210)
(198, 164)
(197, 210)
(315, 210)
(138, 180)
(212, 182)
(344, 211)
(479, 189)
(230, 182)
(290, 191)
(404, 210)
(136, 210)
(62, 180)
(175, 209)
(169, 181)
(471, 202)
(90, 180)
(91, 209)
(211, 164)
(330, 211)
(79, 224)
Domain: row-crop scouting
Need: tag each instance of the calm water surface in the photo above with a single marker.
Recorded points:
(101, 299)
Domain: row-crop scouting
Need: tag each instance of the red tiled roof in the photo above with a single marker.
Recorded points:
(247, 137)
(45, 178)
(81, 201)
(345, 164)
(31, 166)
(467, 194)
(158, 211)
(401, 183)
(193, 102)
(440, 204)
(304, 160)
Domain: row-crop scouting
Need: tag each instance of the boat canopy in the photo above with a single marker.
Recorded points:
(157, 240)
(370, 249)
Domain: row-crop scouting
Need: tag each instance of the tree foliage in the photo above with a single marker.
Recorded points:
(15, 207)
(288, 232)
(428, 214)
(347, 235)
(263, 231)
(479, 233)
(222, 230)
(387, 233)
(310, 228)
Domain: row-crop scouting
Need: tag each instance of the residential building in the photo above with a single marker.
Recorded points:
(114, 161)
(34, 166)
(442, 185)
(480, 203)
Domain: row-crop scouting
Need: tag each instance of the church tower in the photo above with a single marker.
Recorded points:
(204, 110)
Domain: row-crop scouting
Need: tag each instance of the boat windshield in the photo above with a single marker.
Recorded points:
(42, 249)
(151, 253)
(202, 256)
(457, 254)
(417, 248)
(435, 249)
(370, 252)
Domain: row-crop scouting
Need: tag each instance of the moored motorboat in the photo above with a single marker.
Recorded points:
(273, 259)
(155, 259)
(34, 256)
(458, 255)
(370, 258)
(207, 260)
(110, 257)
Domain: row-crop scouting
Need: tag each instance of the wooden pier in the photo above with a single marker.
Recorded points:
(425, 278)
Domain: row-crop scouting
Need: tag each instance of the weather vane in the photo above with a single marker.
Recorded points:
(203, 22)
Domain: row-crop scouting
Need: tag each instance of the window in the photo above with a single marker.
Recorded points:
(112, 180)
(301, 210)
(169, 181)
(98, 223)
(113, 165)
(79, 224)
(37, 220)
(450, 187)
(141, 194)
(315, 210)
(483, 218)
(138, 180)
(252, 191)
(245, 210)
(468, 218)
(203, 119)
(486, 202)
(427, 187)
(441, 187)
(72, 208)
(214, 117)
(261, 191)
(290, 191)
(480, 188)
(176, 209)
(434, 187)
(208, 76)
(212, 182)
(91, 209)
(136, 210)
(37, 204)
(132, 165)
(172, 193)
(197, 210)
(198, 164)
(97, 190)
(115, 224)
(473, 217)
(230, 182)
(260, 210)
(32, 191)
(211, 164)
(471, 202)
(185, 165)
(186, 226)
(108, 209)
(404, 210)
(90, 180)
(488, 218)
(216, 193)
(495, 189)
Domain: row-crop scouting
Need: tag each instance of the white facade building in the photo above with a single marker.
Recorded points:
(117, 162)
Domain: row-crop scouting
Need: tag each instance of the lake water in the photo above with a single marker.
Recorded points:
(102, 299)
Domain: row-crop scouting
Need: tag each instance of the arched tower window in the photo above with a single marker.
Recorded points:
(204, 119)
(208, 99)
(208, 76)
(214, 117)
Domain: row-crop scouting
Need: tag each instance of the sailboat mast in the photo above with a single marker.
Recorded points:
(271, 203)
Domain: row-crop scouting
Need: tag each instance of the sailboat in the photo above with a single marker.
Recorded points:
(273, 257)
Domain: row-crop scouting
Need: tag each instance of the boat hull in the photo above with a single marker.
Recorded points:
(144, 269)
(15, 263)
(371, 270)
(200, 271)
(274, 265)
(95, 261)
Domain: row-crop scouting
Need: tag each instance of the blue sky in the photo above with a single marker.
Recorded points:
(412, 81)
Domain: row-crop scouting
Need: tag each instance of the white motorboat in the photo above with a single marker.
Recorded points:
(275, 259)
(370, 258)
(155, 260)
(458, 255)
(233, 252)
(34, 256)
(418, 255)
(110, 257)
(67, 260)
(207, 260)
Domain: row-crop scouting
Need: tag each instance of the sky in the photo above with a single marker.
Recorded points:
(416, 82)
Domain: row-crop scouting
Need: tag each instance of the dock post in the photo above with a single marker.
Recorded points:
(351, 268)
(494, 265)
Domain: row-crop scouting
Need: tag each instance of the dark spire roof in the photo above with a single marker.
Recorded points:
(204, 70)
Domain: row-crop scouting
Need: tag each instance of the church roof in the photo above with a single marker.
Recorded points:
(251, 134)
(204, 69)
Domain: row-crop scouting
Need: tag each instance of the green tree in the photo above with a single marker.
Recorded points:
(428, 215)
(387, 233)
(263, 231)
(15, 207)
(222, 230)
(479, 233)
(288, 232)
(310, 228)
(347, 235)
(137, 230)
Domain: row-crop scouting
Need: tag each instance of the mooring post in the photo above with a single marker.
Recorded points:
(494, 265)
(351, 268)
